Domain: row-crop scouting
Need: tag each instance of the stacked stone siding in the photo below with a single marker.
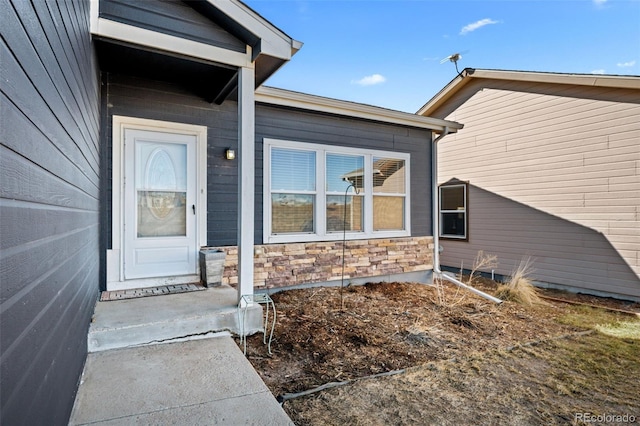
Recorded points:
(281, 265)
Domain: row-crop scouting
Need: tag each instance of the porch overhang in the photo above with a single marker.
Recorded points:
(210, 70)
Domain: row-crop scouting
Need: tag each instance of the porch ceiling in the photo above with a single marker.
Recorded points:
(211, 82)
(151, 42)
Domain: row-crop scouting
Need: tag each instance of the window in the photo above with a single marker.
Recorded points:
(344, 213)
(293, 190)
(453, 211)
(388, 193)
(316, 192)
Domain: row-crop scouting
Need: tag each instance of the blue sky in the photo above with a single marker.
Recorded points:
(388, 52)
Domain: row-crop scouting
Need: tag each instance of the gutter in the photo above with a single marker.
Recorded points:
(437, 272)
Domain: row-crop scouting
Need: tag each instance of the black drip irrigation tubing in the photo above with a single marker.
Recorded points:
(287, 396)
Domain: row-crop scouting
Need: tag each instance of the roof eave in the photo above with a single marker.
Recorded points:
(273, 41)
(281, 97)
(446, 92)
(594, 80)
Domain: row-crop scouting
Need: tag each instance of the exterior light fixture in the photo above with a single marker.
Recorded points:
(230, 154)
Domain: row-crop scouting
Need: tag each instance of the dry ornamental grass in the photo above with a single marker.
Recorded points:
(519, 288)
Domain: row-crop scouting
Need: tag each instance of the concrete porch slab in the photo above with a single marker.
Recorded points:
(198, 382)
(159, 319)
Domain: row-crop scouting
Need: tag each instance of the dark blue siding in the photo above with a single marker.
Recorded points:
(301, 126)
(130, 96)
(49, 206)
(133, 97)
(173, 17)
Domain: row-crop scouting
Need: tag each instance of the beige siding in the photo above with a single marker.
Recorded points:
(554, 173)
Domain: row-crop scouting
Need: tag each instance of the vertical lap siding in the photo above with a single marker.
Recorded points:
(49, 206)
(555, 174)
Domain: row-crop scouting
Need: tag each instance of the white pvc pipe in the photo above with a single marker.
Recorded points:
(468, 287)
(436, 224)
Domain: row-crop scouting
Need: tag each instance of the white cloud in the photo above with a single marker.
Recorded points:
(598, 71)
(370, 80)
(626, 64)
(599, 2)
(478, 24)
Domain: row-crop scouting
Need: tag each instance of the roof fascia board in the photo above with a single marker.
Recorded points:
(274, 42)
(596, 80)
(281, 97)
(445, 93)
(165, 42)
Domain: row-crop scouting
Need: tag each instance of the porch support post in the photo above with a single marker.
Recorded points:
(246, 179)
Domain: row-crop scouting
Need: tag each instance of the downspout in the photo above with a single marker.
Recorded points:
(437, 272)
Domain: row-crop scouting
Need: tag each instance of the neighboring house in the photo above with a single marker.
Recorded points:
(117, 118)
(547, 166)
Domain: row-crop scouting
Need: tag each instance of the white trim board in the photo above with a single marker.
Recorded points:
(321, 234)
(282, 97)
(139, 36)
(273, 42)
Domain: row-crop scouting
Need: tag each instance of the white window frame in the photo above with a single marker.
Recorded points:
(320, 219)
(465, 210)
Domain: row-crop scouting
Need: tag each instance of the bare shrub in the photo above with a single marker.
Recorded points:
(483, 261)
(519, 289)
(441, 299)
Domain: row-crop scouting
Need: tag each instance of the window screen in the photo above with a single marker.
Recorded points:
(453, 211)
(293, 185)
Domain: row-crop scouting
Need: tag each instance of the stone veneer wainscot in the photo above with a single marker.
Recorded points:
(281, 265)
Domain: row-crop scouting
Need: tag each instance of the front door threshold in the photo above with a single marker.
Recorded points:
(141, 283)
(135, 293)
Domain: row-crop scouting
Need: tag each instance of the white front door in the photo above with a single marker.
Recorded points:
(160, 204)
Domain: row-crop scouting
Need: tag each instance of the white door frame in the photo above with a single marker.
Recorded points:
(115, 256)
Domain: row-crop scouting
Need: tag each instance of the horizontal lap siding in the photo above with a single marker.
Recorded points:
(133, 97)
(301, 126)
(49, 206)
(171, 17)
(129, 96)
(555, 173)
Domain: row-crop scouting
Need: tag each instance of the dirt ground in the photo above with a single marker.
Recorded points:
(460, 359)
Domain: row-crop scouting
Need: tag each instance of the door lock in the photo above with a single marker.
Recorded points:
(193, 206)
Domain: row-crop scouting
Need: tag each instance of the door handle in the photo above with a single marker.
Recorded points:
(193, 206)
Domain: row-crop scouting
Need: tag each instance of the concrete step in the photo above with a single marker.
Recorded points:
(161, 319)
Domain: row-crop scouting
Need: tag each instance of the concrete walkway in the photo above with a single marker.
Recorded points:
(197, 382)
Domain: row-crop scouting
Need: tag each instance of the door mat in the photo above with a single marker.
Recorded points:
(150, 291)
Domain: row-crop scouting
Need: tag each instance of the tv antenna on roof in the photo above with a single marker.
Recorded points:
(454, 57)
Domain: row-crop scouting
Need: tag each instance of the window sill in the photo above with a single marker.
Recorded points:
(337, 236)
(453, 238)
